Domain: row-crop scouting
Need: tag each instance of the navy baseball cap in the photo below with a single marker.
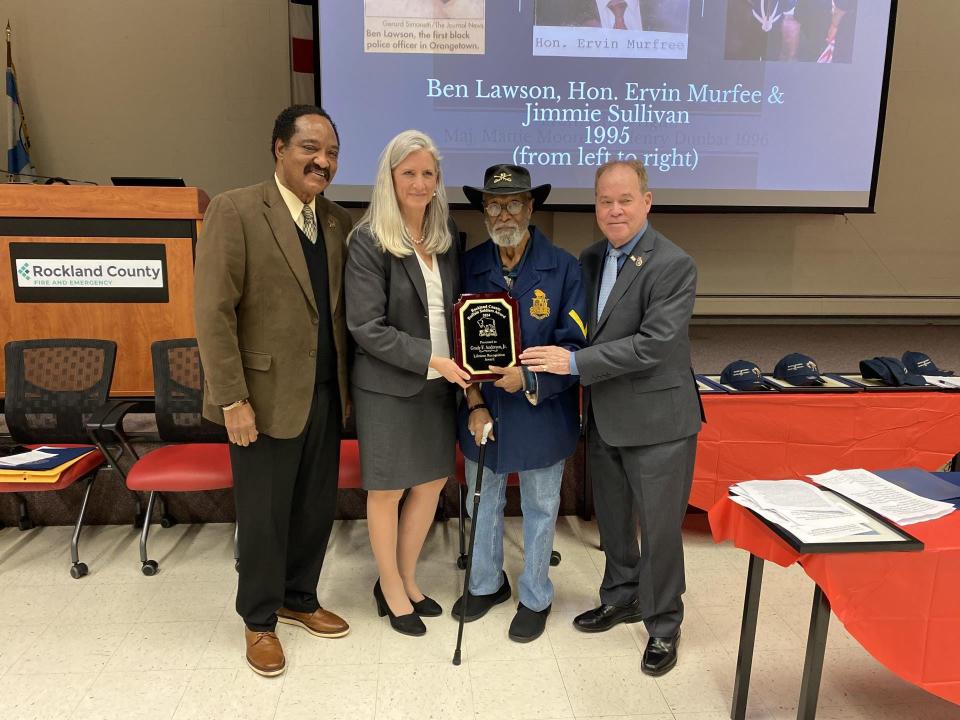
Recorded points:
(921, 364)
(743, 375)
(889, 371)
(798, 369)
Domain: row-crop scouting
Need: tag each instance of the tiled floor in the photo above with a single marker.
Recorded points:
(116, 644)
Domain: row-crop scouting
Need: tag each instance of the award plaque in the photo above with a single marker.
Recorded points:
(486, 329)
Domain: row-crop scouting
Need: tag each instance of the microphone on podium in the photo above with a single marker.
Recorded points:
(51, 179)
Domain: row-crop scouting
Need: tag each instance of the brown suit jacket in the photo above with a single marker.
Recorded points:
(255, 309)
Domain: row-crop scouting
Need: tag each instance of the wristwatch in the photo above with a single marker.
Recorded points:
(530, 385)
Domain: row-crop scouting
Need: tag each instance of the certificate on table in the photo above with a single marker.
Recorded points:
(882, 535)
(705, 385)
(873, 385)
(715, 380)
(830, 384)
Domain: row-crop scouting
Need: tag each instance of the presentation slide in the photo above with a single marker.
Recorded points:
(729, 103)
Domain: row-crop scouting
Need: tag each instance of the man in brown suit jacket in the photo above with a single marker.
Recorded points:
(272, 335)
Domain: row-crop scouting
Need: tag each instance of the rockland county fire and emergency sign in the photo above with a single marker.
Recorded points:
(89, 272)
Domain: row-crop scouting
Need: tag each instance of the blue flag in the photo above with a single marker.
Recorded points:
(18, 140)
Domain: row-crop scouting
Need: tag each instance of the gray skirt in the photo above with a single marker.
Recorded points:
(406, 441)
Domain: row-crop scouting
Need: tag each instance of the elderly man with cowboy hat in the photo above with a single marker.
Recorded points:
(535, 417)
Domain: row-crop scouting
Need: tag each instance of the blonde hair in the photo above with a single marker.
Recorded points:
(383, 219)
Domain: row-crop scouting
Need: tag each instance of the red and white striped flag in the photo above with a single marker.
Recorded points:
(302, 52)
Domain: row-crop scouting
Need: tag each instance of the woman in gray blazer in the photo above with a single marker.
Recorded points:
(401, 280)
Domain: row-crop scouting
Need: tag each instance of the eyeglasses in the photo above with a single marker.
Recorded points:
(513, 207)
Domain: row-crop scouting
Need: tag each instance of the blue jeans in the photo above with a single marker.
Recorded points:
(539, 501)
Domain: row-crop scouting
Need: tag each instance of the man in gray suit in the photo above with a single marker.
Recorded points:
(642, 410)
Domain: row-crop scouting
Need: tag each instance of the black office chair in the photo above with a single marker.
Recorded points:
(53, 388)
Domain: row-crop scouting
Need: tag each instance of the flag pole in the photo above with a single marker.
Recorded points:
(10, 118)
(13, 68)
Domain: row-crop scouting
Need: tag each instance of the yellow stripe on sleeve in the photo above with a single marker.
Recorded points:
(579, 322)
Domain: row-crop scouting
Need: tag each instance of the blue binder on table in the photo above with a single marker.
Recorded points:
(954, 479)
(60, 456)
(933, 486)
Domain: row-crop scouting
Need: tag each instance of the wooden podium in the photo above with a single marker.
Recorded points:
(77, 221)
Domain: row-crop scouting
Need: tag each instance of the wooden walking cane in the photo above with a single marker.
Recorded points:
(473, 534)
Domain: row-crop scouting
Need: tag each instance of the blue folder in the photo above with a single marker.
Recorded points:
(925, 484)
(954, 478)
(60, 456)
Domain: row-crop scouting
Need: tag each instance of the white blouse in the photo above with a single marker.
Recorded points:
(435, 311)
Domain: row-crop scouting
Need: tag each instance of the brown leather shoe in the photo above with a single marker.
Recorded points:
(320, 622)
(264, 653)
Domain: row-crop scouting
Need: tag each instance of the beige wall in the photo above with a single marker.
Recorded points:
(185, 88)
(190, 87)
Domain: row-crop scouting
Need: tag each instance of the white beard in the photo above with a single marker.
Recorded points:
(507, 237)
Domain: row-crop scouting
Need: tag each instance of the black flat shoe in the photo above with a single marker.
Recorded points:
(409, 624)
(660, 655)
(606, 616)
(428, 607)
(528, 624)
(479, 605)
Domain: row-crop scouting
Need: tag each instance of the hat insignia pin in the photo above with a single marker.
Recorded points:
(502, 177)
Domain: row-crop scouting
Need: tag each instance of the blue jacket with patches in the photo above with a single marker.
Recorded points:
(549, 290)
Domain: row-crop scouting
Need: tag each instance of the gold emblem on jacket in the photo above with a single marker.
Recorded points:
(540, 305)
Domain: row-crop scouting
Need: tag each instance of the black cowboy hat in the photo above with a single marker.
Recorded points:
(506, 180)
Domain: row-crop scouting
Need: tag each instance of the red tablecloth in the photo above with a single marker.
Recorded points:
(768, 437)
(904, 608)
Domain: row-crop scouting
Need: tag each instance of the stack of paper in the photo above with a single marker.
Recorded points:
(799, 507)
(883, 497)
(25, 458)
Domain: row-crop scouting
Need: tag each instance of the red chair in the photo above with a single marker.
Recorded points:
(349, 477)
(199, 460)
(52, 388)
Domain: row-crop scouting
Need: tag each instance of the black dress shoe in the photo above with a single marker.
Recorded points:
(409, 624)
(606, 616)
(479, 605)
(528, 624)
(660, 655)
(428, 607)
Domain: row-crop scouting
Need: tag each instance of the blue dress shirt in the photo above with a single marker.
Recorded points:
(625, 251)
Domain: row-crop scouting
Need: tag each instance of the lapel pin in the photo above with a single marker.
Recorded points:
(332, 224)
(637, 260)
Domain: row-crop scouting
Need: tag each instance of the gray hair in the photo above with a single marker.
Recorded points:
(383, 219)
(636, 165)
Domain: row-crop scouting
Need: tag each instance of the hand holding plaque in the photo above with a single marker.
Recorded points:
(486, 328)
